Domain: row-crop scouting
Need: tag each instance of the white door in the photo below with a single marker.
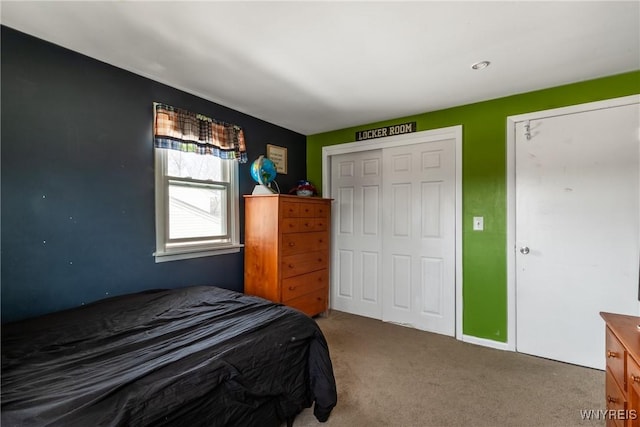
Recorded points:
(577, 231)
(356, 188)
(394, 234)
(419, 236)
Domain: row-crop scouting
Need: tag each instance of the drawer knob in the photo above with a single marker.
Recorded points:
(635, 378)
(291, 266)
(611, 399)
(292, 244)
(292, 288)
(612, 354)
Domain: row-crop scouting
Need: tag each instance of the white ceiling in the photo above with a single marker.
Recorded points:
(319, 66)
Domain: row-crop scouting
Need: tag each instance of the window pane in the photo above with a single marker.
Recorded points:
(196, 166)
(197, 210)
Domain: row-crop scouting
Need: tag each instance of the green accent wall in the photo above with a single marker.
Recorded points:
(484, 185)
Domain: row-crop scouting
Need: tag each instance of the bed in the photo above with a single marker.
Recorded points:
(197, 356)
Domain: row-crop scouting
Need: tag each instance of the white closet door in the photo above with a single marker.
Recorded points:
(419, 236)
(356, 187)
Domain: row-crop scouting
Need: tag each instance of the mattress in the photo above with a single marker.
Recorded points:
(197, 356)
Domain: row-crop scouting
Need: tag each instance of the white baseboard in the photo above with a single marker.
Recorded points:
(487, 343)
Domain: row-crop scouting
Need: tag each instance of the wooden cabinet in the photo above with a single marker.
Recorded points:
(286, 246)
(622, 384)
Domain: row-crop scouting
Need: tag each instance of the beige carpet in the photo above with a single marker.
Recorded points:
(390, 375)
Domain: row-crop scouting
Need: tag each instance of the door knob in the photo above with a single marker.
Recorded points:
(524, 250)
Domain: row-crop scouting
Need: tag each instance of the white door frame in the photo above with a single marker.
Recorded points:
(452, 132)
(511, 192)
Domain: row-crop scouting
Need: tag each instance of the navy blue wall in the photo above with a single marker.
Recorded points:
(78, 213)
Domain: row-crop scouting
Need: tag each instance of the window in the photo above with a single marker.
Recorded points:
(196, 205)
(196, 173)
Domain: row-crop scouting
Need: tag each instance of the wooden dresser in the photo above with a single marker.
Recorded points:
(286, 245)
(623, 370)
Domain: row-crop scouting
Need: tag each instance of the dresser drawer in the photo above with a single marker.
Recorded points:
(615, 355)
(304, 225)
(297, 286)
(293, 243)
(312, 303)
(612, 422)
(312, 224)
(322, 211)
(615, 397)
(290, 225)
(633, 376)
(298, 210)
(290, 210)
(307, 210)
(294, 265)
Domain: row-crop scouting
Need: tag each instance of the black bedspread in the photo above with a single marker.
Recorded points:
(199, 356)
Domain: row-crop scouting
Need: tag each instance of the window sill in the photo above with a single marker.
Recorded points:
(176, 255)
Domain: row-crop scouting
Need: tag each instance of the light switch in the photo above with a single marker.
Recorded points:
(478, 223)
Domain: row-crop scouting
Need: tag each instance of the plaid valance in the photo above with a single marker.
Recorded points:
(182, 130)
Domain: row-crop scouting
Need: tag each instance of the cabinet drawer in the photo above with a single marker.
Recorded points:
(306, 210)
(289, 225)
(290, 210)
(633, 376)
(296, 225)
(312, 224)
(293, 243)
(612, 422)
(615, 355)
(322, 211)
(298, 210)
(311, 304)
(294, 265)
(614, 395)
(296, 286)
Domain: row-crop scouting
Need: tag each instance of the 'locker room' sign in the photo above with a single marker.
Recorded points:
(386, 131)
